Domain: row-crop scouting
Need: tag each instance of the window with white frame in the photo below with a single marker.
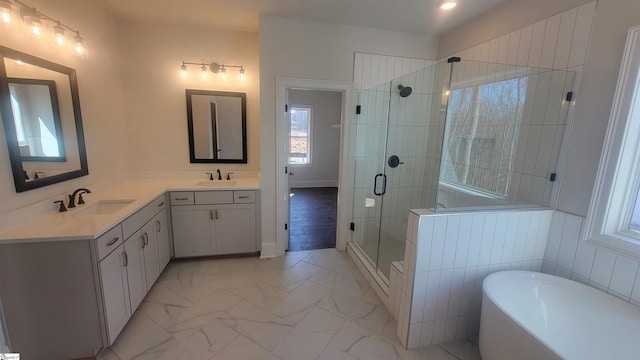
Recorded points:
(614, 213)
(300, 143)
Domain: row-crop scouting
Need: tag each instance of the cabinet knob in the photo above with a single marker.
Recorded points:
(158, 226)
(125, 259)
(113, 241)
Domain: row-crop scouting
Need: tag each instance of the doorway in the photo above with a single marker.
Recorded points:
(314, 119)
(283, 149)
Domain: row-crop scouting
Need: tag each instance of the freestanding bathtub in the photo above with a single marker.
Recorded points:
(532, 316)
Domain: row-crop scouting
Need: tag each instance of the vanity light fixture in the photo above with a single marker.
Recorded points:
(79, 43)
(183, 70)
(203, 73)
(448, 4)
(59, 33)
(214, 68)
(36, 21)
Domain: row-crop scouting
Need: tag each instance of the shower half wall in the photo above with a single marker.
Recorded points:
(468, 136)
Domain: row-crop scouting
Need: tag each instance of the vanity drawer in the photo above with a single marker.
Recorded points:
(137, 220)
(182, 198)
(109, 241)
(159, 203)
(214, 197)
(240, 197)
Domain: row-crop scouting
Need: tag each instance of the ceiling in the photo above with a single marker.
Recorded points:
(414, 16)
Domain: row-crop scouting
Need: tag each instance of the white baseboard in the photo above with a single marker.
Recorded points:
(313, 183)
(269, 250)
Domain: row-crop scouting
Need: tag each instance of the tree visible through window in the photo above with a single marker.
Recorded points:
(483, 122)
(300, 135)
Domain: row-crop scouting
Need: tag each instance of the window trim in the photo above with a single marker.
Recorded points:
(309, 163)
(618, 178)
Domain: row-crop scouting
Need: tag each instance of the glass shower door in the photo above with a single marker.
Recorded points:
(369, 171)
(399, 134)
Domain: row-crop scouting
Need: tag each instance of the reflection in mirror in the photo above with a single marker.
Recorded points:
(40, 110)
(217, 126)
(34, 104)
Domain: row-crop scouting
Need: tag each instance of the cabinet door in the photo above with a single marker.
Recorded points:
(115, 292)
(161, 233)
(192, 230)
(150, 254)
(135, 269)
(235, 228)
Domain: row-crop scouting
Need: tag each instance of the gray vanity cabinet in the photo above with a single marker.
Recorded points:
(129, 269)
(193, 230)
(162, 237)
(115, 291)
(135, 263)
(234, 230)
(214, 222)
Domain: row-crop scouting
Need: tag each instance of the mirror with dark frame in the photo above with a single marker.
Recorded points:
(217, 124)
(40, 111)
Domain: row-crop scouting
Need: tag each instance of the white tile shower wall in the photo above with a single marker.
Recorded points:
(449, 255)
(568, 257)
(371, 70)
(558, 42)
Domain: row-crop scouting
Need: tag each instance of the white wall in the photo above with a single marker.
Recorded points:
(155, 91)
(313, 50)
(101, 100)
(613, 19)
(327, 111)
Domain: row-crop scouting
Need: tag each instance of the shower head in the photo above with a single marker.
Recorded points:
(405, 90)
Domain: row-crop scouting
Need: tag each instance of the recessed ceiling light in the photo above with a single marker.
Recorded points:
(448, 4)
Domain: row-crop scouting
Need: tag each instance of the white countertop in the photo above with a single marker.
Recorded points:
(74, 225)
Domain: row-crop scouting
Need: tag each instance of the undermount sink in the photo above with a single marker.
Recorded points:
(216, 183)
(104, 207)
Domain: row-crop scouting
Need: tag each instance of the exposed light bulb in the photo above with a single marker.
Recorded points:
(6, 17)
(5, 9)
(223, 73)
(203, 74)
(448, 5)
(183, 70)
(241, 73)
(35, 28)
(59, 33)
(79, 43)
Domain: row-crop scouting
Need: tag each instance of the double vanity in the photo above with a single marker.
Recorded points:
(72, 280)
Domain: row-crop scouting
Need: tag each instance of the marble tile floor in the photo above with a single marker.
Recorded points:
(305, 305)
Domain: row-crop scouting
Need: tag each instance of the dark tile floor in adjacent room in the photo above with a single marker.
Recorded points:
(312, 219)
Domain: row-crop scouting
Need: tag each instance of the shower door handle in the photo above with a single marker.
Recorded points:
(384, 184)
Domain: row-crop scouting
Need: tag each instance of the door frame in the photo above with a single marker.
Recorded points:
(346, 164)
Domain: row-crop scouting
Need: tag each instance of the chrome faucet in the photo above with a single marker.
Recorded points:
(219, 174)
(78, 192)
